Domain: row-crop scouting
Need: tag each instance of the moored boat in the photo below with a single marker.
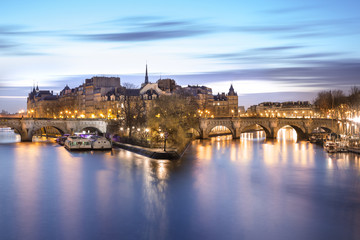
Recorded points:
(78, 143)
(330, 146)
(92, 143)
(100, 143)
(354, 144)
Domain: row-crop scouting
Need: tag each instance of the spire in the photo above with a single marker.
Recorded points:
(146, 76)
(37, 87)
(232, 91)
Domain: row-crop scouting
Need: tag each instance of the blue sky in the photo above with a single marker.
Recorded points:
(269, 50)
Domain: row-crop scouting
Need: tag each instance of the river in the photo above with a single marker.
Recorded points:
(221, 189)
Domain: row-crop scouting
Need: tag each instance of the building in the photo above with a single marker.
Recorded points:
(41, 103)
(291, 109)
(104, 97)
(92, 99)
(226, 105)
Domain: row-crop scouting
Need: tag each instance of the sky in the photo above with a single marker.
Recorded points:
(269, 50)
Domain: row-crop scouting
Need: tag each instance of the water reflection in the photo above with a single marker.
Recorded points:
(7, 135)
(27, 179)
(248, 188)
(287, 133)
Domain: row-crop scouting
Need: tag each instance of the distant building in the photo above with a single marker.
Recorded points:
(103, 97)
(40, 103)
(91, 99)
(290, 109)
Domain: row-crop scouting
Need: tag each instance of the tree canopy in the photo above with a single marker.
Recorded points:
(175, 115)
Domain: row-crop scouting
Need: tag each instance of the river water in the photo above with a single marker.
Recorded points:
(220, 189)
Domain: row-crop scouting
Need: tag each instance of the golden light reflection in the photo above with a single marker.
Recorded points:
(27, 185)
(70, 169)
(204, 152)
(161, 170)
(287, 133)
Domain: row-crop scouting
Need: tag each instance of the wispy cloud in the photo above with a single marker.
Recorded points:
(326, 74)
(143, 36)
(14, 40)
(290, 10)
(140, 29)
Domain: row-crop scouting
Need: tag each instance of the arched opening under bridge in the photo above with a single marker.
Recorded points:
(91, 130)
(46, 133)
(220, 131)
(322, 130)
(290, 133)
(193, 133)
(254, 132)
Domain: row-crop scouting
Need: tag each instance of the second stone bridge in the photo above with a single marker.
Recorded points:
(302, 126)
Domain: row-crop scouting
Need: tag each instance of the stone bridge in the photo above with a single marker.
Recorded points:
(26, 127)
(302, 126)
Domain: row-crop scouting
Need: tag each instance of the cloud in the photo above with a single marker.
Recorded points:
(289, 10)
(258, 52)
(325, 74)
(277, 48)
(304, 29)
(141, 29)
(6, 45)
(143, 35)
(14, 41)
(273, 55)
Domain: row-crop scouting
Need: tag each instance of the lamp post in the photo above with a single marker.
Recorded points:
(166, 135)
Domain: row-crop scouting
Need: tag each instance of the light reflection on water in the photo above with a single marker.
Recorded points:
(9, 136)
(221, 189)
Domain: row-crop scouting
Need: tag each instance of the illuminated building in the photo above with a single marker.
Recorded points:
(298, 109)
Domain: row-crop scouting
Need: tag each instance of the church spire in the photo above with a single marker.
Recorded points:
(146, 76)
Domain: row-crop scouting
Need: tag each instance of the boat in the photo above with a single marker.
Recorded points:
(341, 145)
(354, 144)
(78, 143)
(61, 140)
(330, 147)
(100, 143)
(91, 143)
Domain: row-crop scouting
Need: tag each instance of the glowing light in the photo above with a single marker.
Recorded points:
(356, 119)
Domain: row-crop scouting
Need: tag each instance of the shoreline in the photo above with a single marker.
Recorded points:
(153, 153)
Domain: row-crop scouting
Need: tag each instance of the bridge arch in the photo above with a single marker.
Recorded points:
(194, 132)
(220, 130)
(43, 128)
(326, 127)
(251, 126)
(224, 125)
(91, 129)
(300, 130)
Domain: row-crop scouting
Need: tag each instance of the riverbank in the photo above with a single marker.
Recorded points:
(154, 153)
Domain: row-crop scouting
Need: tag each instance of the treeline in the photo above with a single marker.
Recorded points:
(336, 104)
